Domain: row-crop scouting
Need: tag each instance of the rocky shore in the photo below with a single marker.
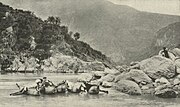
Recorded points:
(156, 76)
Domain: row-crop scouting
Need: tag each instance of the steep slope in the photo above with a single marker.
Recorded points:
(168, 36)
(23, 35)
(119, 31)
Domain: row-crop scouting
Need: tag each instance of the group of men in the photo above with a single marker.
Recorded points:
(40, 86)
(45, 86)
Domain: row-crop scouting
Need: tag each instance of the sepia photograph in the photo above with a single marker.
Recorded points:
(89, 53)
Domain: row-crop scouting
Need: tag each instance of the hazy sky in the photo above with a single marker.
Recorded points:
(157, 6)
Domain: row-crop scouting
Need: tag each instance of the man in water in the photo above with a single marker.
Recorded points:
(47, 82)
(164, 52)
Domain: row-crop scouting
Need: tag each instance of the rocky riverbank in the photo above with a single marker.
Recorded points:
(157, 76)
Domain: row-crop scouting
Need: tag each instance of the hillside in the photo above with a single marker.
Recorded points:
(169, 36)
(119, 31)
(24, 35)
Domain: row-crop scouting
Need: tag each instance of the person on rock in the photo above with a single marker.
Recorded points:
(165, 53)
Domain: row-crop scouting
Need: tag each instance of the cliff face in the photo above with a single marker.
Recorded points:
(24, 34)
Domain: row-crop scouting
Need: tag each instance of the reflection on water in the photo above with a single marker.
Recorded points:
(113, 99)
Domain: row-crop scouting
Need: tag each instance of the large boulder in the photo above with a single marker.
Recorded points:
(176, 80)
(134, 65)
(128, 87)
(111, 71)
(136, 75)
(166, 93)
(161, 81)
(85, 77)
(176, 52)
(158, 66)
(148, 89)
(108, 78)
(177, 63)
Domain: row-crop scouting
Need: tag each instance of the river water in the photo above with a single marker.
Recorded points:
(113, 99)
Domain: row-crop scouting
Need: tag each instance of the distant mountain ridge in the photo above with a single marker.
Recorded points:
(121, 32)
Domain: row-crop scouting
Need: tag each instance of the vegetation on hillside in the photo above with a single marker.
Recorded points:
(25, 35)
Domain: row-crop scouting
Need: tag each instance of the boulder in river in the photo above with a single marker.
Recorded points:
(128, 87)
(148, 89)
(158, 66)
(136, 75)
(166, 93)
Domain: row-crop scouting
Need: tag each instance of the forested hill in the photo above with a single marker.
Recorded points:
(23, 33)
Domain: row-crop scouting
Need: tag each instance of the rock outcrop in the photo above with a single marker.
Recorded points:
(158, 66)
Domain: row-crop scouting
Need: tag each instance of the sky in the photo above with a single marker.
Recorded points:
(156, 6)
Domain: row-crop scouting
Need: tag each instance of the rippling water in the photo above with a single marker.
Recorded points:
(113, 99)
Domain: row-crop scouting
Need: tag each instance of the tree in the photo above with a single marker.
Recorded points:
(76, 36)
(51, 19)
(57, 20)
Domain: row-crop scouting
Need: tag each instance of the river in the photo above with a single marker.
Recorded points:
(113, 99)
